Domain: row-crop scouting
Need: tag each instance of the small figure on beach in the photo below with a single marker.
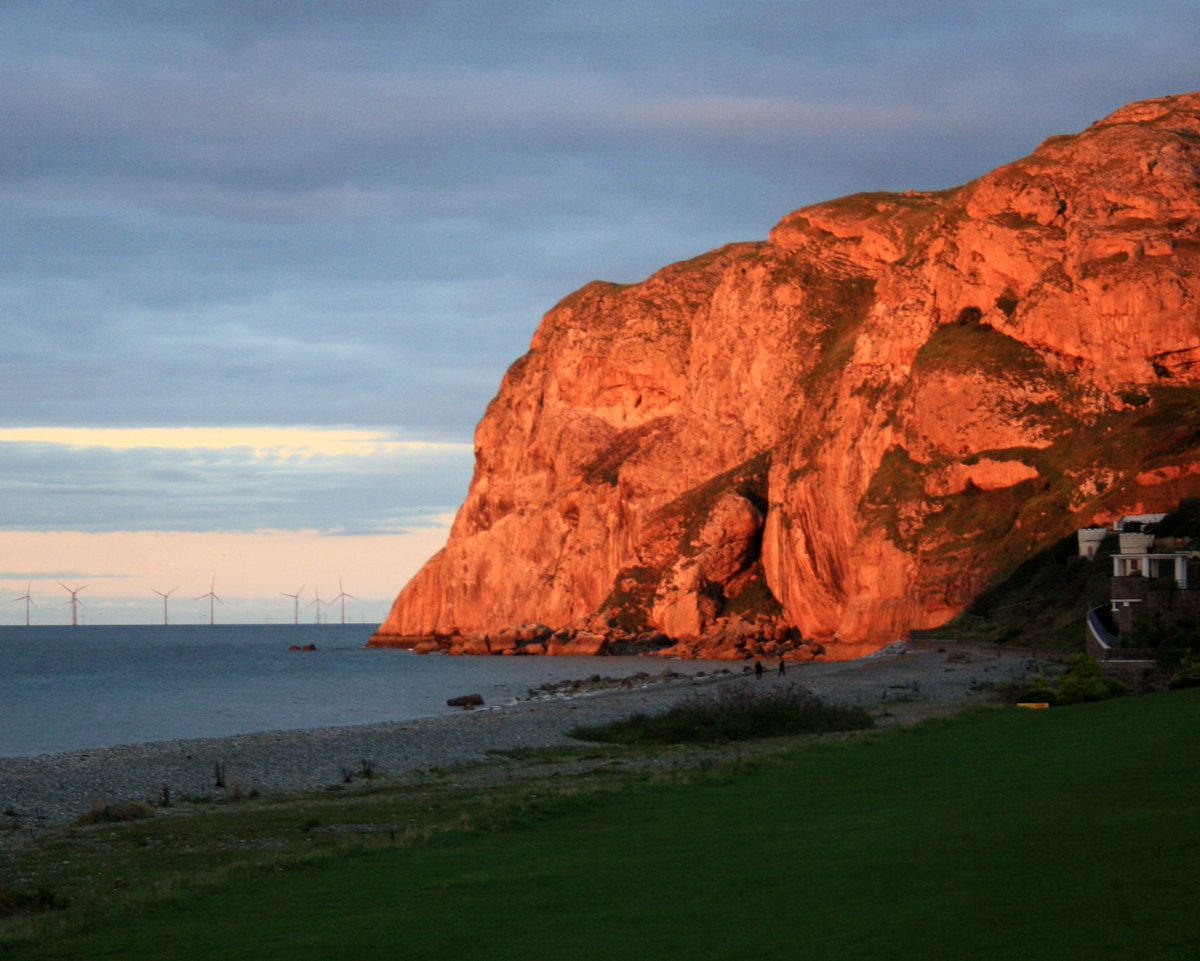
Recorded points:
(758, 670)
(781, 668)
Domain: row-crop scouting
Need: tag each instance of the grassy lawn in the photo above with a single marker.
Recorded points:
(1069, 833)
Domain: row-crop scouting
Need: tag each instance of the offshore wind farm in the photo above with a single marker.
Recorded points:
(204, 608)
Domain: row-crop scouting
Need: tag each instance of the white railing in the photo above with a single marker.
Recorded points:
(1098, 632)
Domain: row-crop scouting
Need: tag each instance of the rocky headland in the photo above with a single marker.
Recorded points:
(816, 443)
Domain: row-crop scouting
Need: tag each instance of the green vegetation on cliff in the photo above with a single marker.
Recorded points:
(1042, 604)
(1010, 532)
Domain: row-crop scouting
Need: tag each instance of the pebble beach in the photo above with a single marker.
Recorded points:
(904, 683)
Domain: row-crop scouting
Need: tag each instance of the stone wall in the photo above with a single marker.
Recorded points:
(1170, 605)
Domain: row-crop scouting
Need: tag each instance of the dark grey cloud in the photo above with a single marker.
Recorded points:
(51, 487)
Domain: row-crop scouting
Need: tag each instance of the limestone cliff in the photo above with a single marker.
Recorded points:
(847, 431)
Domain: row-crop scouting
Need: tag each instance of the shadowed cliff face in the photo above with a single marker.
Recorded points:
(827, 439)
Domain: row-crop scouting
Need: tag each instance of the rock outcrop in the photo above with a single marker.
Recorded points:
(819, 442)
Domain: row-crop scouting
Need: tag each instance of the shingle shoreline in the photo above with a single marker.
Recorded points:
(59, 787)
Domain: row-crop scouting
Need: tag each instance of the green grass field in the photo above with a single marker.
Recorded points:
(1070, 833)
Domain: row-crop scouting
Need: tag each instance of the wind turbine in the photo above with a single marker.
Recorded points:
(342, 595)
(296, 599)
(28, 599)
(318, 602)
(164, 597)
(212, 596)
(74, 602)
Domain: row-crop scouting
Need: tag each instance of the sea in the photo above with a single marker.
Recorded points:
(72, 688)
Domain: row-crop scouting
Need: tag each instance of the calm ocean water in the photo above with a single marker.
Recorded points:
(65, 688)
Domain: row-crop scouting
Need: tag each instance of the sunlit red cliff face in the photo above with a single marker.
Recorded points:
(845, 432)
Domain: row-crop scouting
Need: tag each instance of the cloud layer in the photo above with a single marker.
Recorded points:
(292, 213)
(226, 479)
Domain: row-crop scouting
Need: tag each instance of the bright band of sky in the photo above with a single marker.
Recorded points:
(252, 572)
(263, 442)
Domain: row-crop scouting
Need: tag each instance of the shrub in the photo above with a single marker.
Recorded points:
(121, 811)
(22, 901)
(1170, 640)
(1188, 674)
(737, 713)
(1084, 681)
(1036, 692)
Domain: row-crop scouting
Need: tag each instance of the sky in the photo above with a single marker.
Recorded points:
(264, 263)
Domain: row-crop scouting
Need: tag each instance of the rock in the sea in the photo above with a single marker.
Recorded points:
(848, 430)
(466, 701)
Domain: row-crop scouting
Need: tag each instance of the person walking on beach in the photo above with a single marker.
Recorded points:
(781, 670)
(758, 669)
